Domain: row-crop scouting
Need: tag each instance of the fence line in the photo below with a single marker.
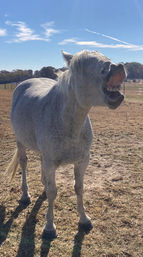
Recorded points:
(9, 86)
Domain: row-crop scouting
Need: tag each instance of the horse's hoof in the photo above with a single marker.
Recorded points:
(85, 227)
(49, 235)
(25, 201)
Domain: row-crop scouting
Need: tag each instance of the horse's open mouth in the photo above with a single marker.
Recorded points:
(113, 98)
(115, 78)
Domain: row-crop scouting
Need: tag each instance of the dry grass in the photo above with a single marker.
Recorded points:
(113, 192)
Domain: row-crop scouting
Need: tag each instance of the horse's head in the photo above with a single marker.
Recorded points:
(95, 79)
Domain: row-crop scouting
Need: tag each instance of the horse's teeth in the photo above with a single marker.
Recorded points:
(113, 88)
(109, 88)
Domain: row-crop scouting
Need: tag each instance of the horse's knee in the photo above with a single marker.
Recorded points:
(51, 192)
(22, 155)
(78, 189)
(23, 161)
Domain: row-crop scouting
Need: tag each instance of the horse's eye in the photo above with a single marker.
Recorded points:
(104, 71)
(105, 68)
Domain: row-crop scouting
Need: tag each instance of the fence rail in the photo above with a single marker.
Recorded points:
(9, 86)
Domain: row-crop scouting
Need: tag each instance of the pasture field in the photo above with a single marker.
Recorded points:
(113, 190)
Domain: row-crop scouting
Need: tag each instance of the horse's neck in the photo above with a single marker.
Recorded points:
(73, 114)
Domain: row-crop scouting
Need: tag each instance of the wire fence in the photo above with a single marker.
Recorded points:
(9, 86)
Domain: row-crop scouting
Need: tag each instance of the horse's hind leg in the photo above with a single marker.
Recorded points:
(25, 198)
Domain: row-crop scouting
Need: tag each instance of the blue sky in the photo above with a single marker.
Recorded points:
(33, 33)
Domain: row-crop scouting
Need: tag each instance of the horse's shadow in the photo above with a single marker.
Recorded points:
(5, 227)
(78, 240)
(27, 243)
(79, 237)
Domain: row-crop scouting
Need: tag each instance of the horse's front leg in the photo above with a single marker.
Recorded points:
(48, 170)
(79, 170)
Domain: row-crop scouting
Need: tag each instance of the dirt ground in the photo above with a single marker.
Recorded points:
(113, 192)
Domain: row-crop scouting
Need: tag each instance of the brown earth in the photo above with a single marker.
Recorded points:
(113, 192)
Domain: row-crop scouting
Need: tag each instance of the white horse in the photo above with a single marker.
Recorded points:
(51, 117)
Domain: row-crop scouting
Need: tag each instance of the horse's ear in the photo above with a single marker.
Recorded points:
(67, 57)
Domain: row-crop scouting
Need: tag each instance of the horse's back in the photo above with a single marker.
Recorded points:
(32, 89)
(28, 100)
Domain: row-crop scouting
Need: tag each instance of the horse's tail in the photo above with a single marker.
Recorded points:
(13, 165)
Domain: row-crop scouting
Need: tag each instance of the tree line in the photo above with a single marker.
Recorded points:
(134, 71)
(14, 76)
(20, 75)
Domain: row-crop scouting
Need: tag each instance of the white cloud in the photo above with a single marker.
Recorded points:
(24, 33)
(95, 44)
(123, 44)
(3, 32)
(49, 30)
(67, 41)
(103, 35)
(101, 45)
